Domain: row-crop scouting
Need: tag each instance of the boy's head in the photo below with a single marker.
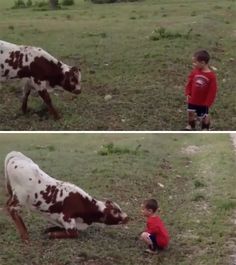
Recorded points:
(149, 207)
(200, 59)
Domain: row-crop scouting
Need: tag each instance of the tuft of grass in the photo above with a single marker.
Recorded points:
(198, 184)
(50, 148)
(162, 33)
(11, 27)
(111, 149)
(67, 2)
(226, 205)
(198, 197)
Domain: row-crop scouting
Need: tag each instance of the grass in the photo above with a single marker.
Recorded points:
(138, 53)
(199, 217)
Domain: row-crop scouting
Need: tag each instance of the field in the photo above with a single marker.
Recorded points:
(197, 197)
(138, 53)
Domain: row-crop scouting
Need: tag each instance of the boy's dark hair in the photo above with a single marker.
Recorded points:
(151, 204)
(202, 56)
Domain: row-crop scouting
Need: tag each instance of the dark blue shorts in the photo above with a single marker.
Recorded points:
(154, 242)
(200, 110)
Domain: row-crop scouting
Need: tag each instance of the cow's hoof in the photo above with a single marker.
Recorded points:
(56, 117)
(24, 110)
(25, 239)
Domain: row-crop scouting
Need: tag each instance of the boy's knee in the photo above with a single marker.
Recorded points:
(144, 236)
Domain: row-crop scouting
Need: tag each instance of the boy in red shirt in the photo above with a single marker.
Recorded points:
(200, 91)
(156, 235)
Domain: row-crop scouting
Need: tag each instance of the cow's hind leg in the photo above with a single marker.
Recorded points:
(69, 230)
(46, 98)
(26, 92)
(11, 207)
(63, 234)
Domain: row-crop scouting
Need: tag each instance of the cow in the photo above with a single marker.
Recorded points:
(67, 207)
(40, 71)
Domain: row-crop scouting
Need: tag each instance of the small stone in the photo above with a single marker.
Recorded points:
(108, 97)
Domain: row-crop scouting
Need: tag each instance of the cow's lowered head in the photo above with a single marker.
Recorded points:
(72, 79)
(113, 214)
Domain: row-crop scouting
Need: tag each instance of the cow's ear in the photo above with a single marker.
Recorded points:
(108, 203)
(74, 69)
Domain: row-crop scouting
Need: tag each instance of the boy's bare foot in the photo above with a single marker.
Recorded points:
(188, 128)
(150, 251)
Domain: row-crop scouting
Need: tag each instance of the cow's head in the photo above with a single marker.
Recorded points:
(113, 215)
(72, 80)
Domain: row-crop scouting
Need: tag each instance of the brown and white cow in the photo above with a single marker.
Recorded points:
(40, 70)
(63, 204)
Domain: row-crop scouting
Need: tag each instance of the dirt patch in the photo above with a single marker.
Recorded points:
(191, 150)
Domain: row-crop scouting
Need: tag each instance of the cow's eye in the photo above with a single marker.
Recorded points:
(115, 211)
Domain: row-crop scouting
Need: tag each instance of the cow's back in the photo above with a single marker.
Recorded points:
(24, 177)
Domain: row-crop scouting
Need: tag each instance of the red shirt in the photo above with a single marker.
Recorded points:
(156, 226)
(201, 88)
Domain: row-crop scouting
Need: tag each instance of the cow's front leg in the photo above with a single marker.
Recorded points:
(26, 92)
(63, 234)
(11, 205)
(46, 98)
(53, 229)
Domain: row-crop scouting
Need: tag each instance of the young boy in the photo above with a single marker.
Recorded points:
(156, 235)
(200, 91)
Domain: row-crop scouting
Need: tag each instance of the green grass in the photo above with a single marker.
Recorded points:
(124, 52)
(199, 217)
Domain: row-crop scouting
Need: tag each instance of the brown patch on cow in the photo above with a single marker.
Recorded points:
(36, 195)
(37, 204)
(1, 51)
(39, 181)
(26, 58)
(61, 193)
(2, 66)
(15, 166)
(76, 206)
(42, 69)
(30, 179)
(15, 60)
(50, 194)
(6, 72)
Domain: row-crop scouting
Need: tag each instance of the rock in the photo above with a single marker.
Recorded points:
(108, 97)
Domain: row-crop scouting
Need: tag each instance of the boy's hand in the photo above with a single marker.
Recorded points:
(187, 98)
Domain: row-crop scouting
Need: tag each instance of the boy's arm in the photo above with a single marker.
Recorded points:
(212, 92)
(189, 85)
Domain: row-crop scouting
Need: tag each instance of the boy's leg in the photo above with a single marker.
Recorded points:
(206, 122)
(150, 240)
(191, 120)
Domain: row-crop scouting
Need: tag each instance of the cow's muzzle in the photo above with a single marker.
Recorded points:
(125, 220)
